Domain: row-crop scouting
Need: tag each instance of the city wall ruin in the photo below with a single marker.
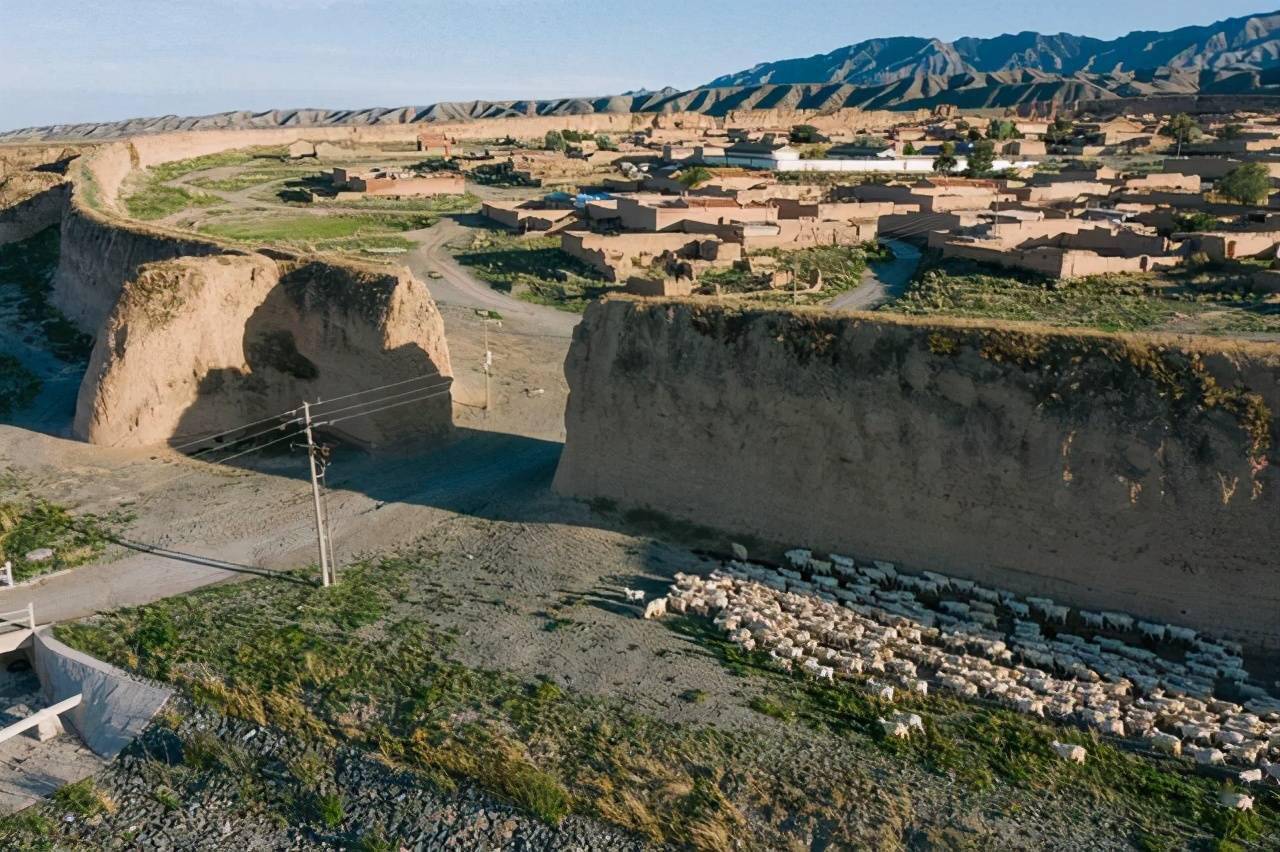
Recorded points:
(1117, 472)
(287, 327)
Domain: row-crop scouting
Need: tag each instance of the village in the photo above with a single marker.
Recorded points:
(662, 211)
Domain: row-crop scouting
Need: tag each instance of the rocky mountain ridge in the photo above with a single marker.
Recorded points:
(1247, 43)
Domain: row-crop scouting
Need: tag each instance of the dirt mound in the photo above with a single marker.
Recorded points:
(195, 346)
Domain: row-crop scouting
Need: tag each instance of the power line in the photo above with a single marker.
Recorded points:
(383, 408)
(389, 396)
(319, 403)
(180, 447)
(241, 440)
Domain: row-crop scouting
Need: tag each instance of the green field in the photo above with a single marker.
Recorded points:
(150, 198)
(156, 201)
(346, 232)
(29, 523)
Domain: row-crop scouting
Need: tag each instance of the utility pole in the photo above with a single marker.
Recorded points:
(326, 578)
(487, 363)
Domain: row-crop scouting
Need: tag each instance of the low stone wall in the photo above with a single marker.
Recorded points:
(1136, 473)
(116, 707)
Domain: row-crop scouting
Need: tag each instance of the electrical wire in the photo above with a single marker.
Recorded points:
(180, 447)
(389, 396)
(383, 408)
(319, 403)
(199, 453)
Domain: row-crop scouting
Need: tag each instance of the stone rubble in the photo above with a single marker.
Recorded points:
(888, 630)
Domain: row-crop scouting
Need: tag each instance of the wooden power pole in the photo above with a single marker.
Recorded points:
(326, 572)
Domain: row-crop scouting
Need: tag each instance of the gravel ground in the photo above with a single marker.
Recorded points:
(210, 809)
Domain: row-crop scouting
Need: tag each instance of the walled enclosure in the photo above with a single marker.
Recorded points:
(1134, 473)
(195, 336)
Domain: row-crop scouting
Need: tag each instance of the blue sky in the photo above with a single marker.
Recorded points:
(96, 60)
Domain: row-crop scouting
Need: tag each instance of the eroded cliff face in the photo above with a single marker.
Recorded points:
(196, 346)
(1110, 472)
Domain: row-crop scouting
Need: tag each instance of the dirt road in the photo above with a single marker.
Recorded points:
(881, 282)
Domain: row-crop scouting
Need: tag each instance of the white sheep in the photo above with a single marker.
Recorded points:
(799, 557)
(1208, 756)
(1092, 619)
(1067, 751)
(1018, 608)
(656, 608)
(1118, 620)
(911, 720)
(633, 594)
(1167, 743)
(1182, 634)
(1057, 613)
(1235, 801)
(1151, 630)
(894, 728)
(1250, 776)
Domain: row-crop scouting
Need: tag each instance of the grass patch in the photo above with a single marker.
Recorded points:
(26, 275)
(156, 201)
(18, 385)
(348, 232)
(840, 268)
(82, 799)
(256, 175)
(28, 831)
(1186, 301)
(29, 523)
(533, 269)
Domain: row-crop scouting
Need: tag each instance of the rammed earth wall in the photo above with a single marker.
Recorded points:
(1137, 473)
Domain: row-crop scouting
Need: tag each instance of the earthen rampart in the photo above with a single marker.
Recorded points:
(1125, 472)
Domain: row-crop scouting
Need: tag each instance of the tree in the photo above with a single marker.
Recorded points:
(554, 141)
(1061, 131)
(1247, 184)
(974, 134)
(803, 134)
(1195, 222)
(908, 150)
(1182, 128)
(981, 158)
(605, 143)
(1002, 130)
(692, 178)
(946, 161)
(1232, 131)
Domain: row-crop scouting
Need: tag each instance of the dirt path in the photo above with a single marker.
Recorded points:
(881, 282)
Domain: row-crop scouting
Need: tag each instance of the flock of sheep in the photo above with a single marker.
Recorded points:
(837, 618)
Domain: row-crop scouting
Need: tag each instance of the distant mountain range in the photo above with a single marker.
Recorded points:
(1029, 71)
(1249, 43)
